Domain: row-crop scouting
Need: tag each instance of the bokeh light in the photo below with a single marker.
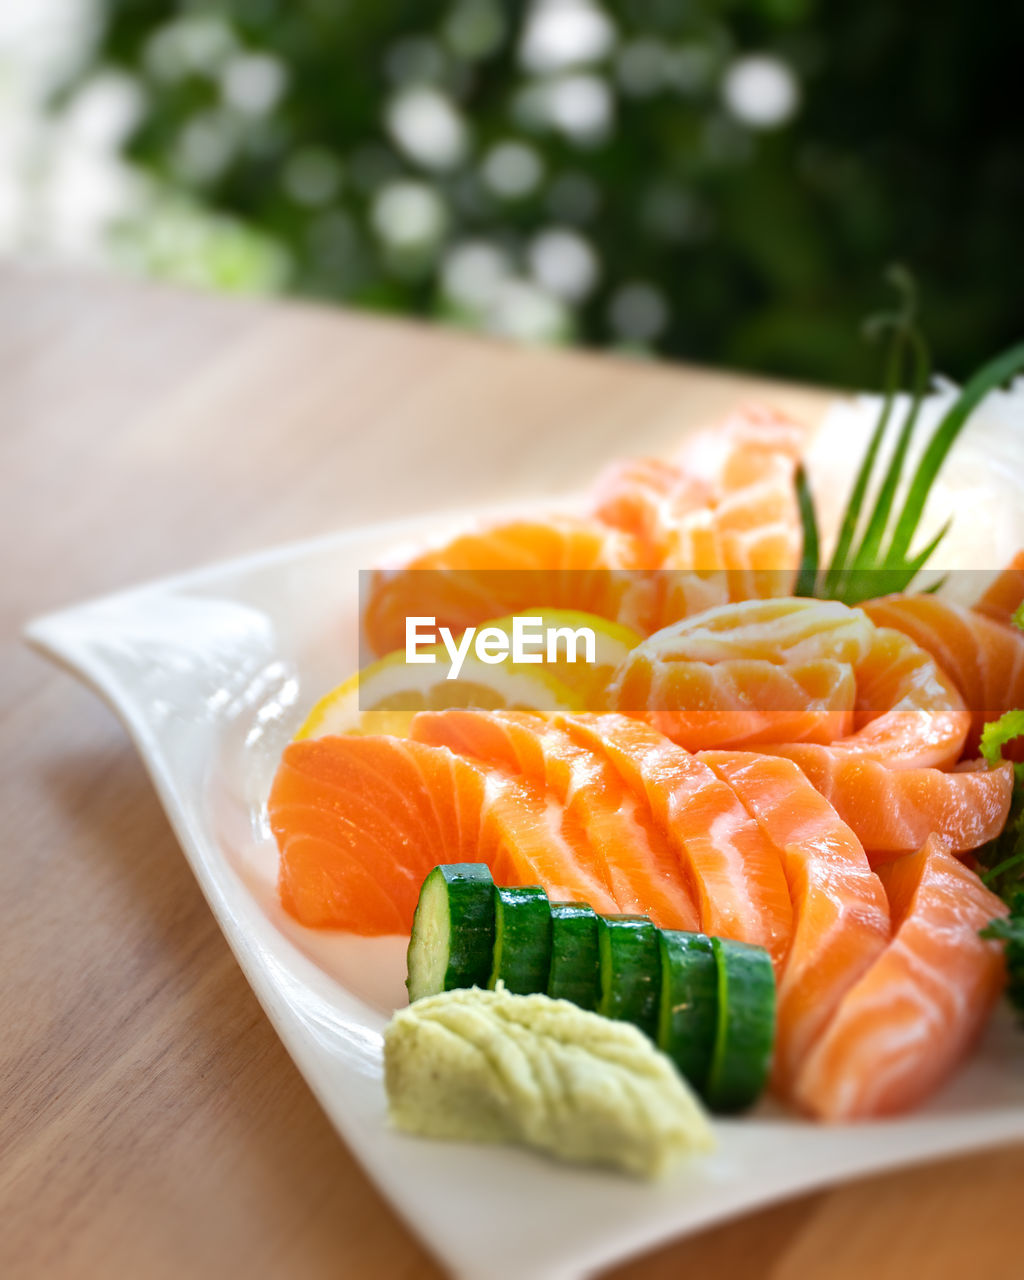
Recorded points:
(428, 128)
(638, 312)
(565, 33)
(564, 263)
(761, 91)
(512, 169)
(409, 215)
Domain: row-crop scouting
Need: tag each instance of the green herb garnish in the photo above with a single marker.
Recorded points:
(872, 555)
(997, 733)
(1010, 931)
(808, 572)
(1003, 863)
(1003, 857)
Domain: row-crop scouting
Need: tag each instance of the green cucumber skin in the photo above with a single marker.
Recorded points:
(630, 971)
(522, 939)
(708, 1003)
(688, 1005)
(575, 971)
(467, 932)
(745, 1036)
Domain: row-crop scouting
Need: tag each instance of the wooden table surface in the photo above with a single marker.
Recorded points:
(151, 1124)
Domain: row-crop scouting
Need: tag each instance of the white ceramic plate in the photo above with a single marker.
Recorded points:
(211, 673)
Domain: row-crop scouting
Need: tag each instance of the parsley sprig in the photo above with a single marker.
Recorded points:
(1010, 931)
(1002, 859)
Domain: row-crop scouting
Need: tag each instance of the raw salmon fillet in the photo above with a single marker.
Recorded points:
(905, 1025)
(798, 670)
(893, 811)
(360, 821)
(562, 562)
(638, 865)
(984, 658)
(651, 498)
(646, 497)
(721, 520)
(749, 531)
(737, 879)
(870, 716)
(1004, 595)
(840, 912)
(762, 670)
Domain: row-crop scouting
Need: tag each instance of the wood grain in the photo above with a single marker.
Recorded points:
(150, 1122)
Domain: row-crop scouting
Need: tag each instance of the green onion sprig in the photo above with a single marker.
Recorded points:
(873, 556)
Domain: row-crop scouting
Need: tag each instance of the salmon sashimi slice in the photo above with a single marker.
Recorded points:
(524, 840)
(360, 820)
(358, 829)
(747, 547)
(780, 675)
(648, 497)
(739, 701)
(562, 562)
(721, 519)
(682, 593)
(795, 670)
(750, 527)
(737, 879)
(1004, 596)
(909, 713)
(840, 911)
(749, 672)
(984, 658)
(793, 629)
(907, 1023)
(893, 811)
(612, 827)
(753, 444)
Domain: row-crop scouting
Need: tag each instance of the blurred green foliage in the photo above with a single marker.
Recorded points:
(721, 180)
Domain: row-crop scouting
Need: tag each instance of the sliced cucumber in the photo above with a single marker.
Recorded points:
(630, 971)
(574, 972)
(688, 1006)
(522, 939)
(452, 940)
(745, 1033)
(709, 1003)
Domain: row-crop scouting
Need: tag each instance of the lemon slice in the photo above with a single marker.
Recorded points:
(587, 679)
(384, 697)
